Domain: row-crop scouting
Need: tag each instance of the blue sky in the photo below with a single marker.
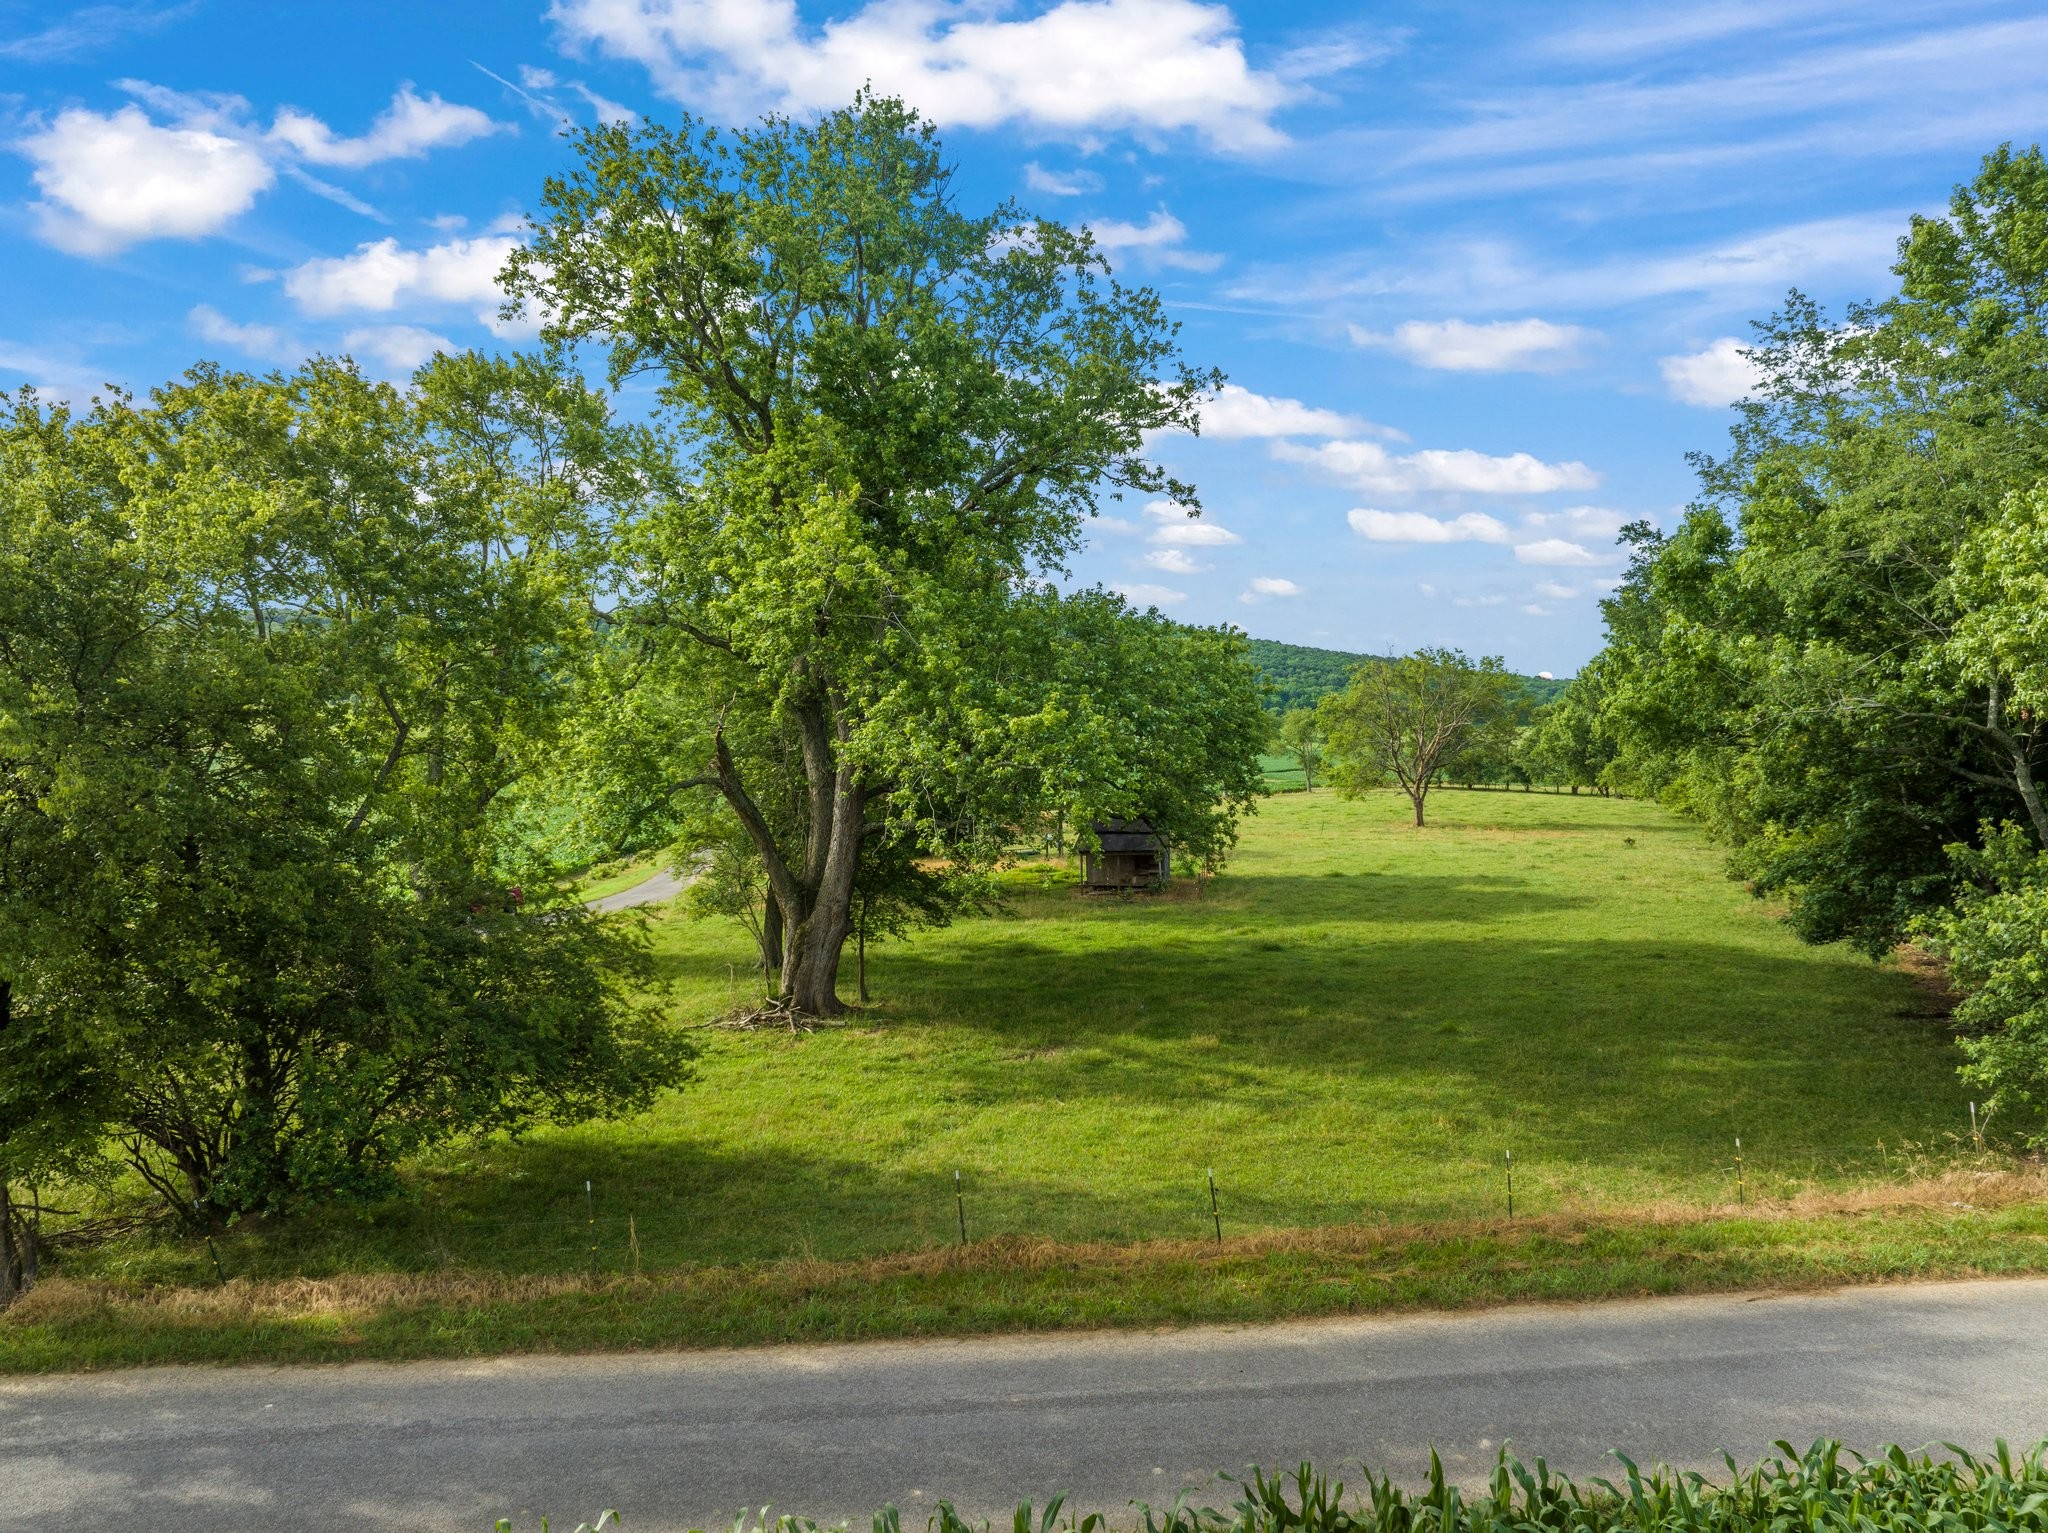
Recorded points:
(1477, 272)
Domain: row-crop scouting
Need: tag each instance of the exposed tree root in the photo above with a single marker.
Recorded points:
(776, 1014)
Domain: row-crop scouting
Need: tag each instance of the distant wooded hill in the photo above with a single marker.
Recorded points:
(1302, 676)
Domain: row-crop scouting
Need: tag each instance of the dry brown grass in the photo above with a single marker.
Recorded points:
(68, 1302)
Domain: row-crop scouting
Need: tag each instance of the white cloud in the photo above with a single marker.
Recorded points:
(1077, 68)
(400, 348)
(1554, 591)
(1553, 551)
(407, 129)
(1143, 595)
(264, 341)
(1266, 587)
(1159, 239)
(382, 274)
(1580, 521)
(1195, 535)
(1061, 183)
(109, 181)
(1369, 466)
(1176, 561)
(54, 378)
(1717, 376)
(1498, 346)
(112, 179)
(1234, 413)
(88, 29)
(1419, 527)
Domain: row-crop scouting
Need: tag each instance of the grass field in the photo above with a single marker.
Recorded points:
(1350, 1027)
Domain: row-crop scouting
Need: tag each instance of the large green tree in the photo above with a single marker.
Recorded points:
(890, 420)
(1402, 720)
(1807, 662)
(272, 650)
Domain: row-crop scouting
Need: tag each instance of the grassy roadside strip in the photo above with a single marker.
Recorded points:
(1963, 1226)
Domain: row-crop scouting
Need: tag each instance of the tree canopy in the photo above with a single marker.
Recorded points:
(1402, 720)
(271, 653)
(887, 422)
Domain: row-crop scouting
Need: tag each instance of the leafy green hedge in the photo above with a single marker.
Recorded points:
(1822, 1490)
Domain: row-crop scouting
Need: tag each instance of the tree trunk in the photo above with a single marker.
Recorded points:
(1417, 797)
(771, 935)
(861, 947)
(19, 1258)
(1308, 776)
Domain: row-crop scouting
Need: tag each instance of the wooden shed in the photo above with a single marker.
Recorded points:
(1132, 856)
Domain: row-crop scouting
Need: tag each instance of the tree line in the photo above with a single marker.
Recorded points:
(1838, 661)
(307, 679)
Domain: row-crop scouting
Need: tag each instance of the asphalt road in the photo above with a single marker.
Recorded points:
(688, 1439)
(665, 885)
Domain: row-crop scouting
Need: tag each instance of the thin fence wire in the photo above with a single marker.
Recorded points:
(586, 1228)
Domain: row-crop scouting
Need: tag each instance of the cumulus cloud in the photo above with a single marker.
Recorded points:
(1369, 466)
(1266, 588)
(1060, 183)
(1170, 526)
(111, 180)
(1141, 594)
(1580, 521)
(1420, 527)
(1160, 239)
(380, 275)
(1176, 561)
(1716, 376)
(409, 128)
(1554, 551)
(264, 341)
(1235, 412)
(1078, 68)
(1498, 346)
(400, 348)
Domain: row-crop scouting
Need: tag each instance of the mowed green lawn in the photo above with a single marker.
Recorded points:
(1351, 1025)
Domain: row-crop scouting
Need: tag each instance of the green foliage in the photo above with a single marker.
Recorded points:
(1829, 661)
(1826, 1489)
(1405, 720)
(1303, 733)
(1300, 675)
(274, 647)
(889, 421)
(1995, 938)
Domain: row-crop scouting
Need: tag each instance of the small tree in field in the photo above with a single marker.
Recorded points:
(1401, 720)
(1301, 731)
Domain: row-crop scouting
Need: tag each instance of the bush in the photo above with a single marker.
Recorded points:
(1821, 1490)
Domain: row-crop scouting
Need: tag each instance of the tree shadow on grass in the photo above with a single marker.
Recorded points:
(1644, 1051)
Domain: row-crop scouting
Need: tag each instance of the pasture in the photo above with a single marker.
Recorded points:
(1351, 1026)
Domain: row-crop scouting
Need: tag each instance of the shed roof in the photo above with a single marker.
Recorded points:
(1128, 836)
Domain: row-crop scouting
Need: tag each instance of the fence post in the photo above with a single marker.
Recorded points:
(1740, 1192)
(1507, 1159)
(1215, 1213)
(960, 1207)
(590, 1219)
